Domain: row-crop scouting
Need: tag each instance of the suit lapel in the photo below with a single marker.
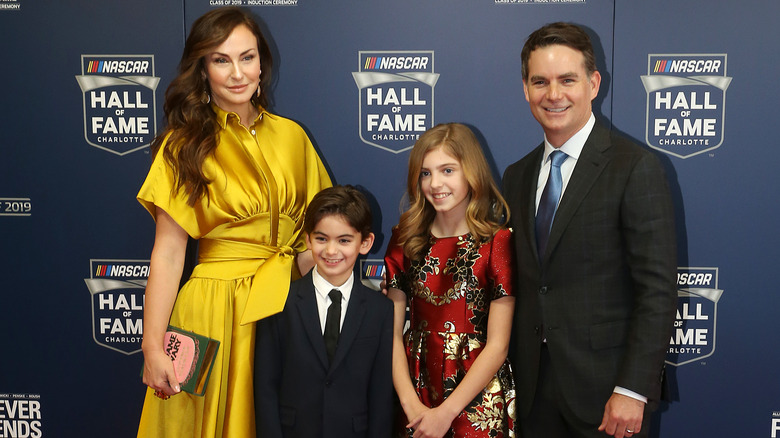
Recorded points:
(306, 303)
(356, 310)
(527, 197)
(590, 165)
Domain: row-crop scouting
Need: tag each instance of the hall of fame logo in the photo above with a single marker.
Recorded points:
(118, 91)
(117, 291)
(697, 313)
(686, 102)
(396, 97)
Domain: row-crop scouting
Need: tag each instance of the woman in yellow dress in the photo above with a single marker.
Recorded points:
(238, 178)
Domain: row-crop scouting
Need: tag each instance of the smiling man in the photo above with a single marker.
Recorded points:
(594, 234)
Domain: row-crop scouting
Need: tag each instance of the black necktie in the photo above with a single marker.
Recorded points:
(548, 203)
(333, 323)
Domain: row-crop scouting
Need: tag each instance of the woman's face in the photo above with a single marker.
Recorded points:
(233, 71)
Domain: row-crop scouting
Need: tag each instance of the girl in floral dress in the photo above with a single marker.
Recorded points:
(450, 260)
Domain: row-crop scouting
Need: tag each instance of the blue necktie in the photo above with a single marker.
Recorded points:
(549, 201)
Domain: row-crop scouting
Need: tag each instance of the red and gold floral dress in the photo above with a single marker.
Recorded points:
(449, 294)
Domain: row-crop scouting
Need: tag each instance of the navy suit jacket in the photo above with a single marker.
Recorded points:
(298, 393)
(604, 295)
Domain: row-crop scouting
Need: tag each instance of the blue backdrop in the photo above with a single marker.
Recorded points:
(76, 118)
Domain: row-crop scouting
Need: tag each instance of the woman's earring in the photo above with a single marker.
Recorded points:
(205, 98)
(258, 89)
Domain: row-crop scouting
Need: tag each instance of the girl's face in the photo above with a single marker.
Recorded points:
(444, 184)
(233, 71)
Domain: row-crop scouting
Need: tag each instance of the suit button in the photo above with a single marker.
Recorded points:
(328, 383)
(543, 290)
(536, 329)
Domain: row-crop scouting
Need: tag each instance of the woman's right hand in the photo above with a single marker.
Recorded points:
(159, 373)
(165, 268)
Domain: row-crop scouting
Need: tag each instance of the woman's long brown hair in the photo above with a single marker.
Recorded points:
(191, 123)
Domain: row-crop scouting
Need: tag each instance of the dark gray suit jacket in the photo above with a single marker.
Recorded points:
(604, 295)
(298, 393)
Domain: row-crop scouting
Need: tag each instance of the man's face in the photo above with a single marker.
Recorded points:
(559, 91)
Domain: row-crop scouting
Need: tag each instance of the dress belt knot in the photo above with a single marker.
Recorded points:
(271, 278)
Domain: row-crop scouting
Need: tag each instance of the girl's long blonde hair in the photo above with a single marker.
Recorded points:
(486, 213)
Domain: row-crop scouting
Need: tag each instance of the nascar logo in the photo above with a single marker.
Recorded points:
(396, 97)
(697, 311)
(118, 93)
(686, 96)
(372, 272)
(117, 291)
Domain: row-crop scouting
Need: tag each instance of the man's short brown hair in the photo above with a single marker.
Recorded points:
(564, 34)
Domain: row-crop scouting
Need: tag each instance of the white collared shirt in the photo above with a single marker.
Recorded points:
(572, 148)
(322, 288)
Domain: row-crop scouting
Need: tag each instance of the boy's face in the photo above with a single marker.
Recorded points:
(335, 246)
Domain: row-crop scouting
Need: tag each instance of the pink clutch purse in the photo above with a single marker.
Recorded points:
(193, 357)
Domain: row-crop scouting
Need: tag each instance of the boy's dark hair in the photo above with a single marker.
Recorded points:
(345, 201)
(564, 34)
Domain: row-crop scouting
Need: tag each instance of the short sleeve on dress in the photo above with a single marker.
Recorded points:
(502, 264)
(157, 191)
(394, 265)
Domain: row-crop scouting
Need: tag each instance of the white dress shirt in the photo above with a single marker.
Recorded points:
(322, 288)
(572, 148)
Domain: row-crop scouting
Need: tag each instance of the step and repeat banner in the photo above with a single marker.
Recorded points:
(84, 85)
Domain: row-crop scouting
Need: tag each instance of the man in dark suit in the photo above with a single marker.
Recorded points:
(596, 263)
(321, 372)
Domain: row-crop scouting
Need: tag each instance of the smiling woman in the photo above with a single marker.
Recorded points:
(233, 72)
(223, 172)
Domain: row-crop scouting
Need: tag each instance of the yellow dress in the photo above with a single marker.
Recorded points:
(262, 179)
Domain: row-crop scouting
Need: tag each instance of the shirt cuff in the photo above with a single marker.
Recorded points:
(628, 393)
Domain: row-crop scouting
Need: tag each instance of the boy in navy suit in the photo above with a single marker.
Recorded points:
(323, 365)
